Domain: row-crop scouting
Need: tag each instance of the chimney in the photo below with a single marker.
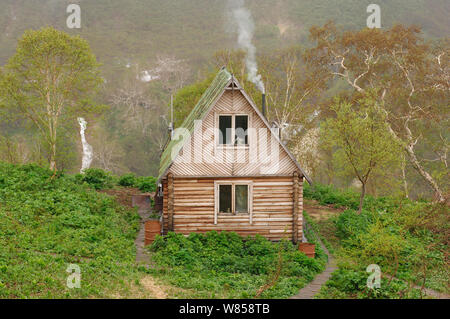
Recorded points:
(264, 104)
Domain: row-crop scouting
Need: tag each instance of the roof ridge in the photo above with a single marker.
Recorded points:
(213, 91)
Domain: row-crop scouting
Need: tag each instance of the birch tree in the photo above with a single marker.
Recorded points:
(412, 79)
(49, 80)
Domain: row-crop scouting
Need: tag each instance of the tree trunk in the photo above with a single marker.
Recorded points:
(416, 164)
(405, 182)
(361, 198)
(53, 158)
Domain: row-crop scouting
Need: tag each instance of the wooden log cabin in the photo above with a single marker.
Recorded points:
(225, 169)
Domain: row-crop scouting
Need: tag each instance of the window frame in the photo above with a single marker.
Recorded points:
(233, 130)
(247, 183)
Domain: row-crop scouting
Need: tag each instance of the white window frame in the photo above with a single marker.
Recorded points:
(233, 130)
(248, 183)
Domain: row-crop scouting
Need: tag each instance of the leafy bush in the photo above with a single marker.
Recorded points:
(146, 184)
(345, 283)
(127, 180)
(225, 263)
(350, 223)
(97, 178)
(327, 194)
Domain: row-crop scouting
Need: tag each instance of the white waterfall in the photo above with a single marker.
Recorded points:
(87, 149)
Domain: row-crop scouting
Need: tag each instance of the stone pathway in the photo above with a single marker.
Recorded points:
(141, 253)
(311, 289)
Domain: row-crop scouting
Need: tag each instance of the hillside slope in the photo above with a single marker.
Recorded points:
(48, 224)
(123, 31)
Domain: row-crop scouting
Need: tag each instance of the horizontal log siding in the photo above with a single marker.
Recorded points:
(272, 208)
(165, 223)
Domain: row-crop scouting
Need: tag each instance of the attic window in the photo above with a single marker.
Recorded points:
(241, 130)
(233, 129)
(225, 125)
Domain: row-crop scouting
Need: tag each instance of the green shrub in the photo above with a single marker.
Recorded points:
(97, 178)
(350, 223)
(350, 283)
(212, 261)
(127, 180)
(328, 194)
(146, 184)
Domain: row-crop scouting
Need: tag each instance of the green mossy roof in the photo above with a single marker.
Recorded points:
(211, 94)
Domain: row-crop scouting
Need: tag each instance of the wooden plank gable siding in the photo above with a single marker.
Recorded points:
(238, 161)
(272, 207)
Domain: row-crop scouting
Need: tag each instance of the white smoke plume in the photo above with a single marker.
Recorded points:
(242, 21)
(87, 149)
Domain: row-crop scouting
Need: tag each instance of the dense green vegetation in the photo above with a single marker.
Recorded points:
(408, 240)
(100, 179)
(48, 223)
(225, 265)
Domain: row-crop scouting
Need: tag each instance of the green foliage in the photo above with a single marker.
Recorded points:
(329, 195)
(146, 184)
(349, 223)
(96, 178)
(50, 81)
(56, 222)
(313, 232)
(187, 97)
(127, 180)
(346, 283)
(228, 265)
(405, 238)
(360, 138)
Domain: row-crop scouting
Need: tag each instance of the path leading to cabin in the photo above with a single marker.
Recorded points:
(144, 212)
(312, 289)
(318, 212)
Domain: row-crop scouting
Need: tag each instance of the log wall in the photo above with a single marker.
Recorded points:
(272, 208)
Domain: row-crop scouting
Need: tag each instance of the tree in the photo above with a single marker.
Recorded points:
(361, 139)
(50, 80)
(412, 79)
(187, 97)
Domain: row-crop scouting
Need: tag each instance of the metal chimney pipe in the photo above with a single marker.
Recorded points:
(264, 104)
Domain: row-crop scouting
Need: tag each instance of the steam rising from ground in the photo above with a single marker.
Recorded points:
(87, 149)
(243, 25)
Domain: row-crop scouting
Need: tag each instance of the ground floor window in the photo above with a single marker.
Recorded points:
(233, 198)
